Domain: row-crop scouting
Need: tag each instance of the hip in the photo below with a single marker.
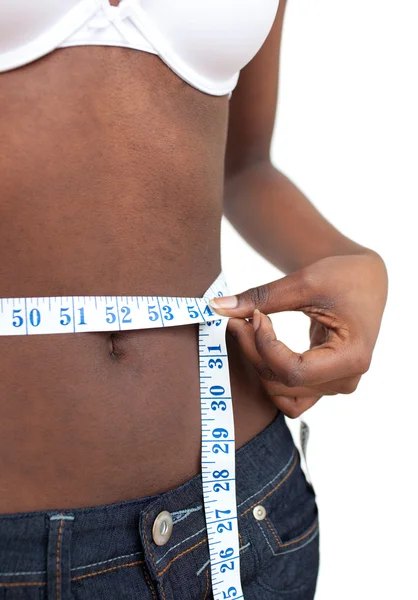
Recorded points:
(156, 546)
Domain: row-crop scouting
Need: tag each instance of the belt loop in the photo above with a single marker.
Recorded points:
(58, 562)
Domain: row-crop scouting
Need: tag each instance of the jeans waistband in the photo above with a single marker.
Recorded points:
(105, 537)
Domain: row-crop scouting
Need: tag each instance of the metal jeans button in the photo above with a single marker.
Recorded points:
(259, 513)
(162, 528)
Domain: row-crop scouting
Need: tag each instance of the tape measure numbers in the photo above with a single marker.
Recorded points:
(77, 314)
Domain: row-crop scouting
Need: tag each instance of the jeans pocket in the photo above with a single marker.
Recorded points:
(283, 532)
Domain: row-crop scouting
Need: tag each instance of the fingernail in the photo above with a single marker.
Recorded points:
(256, 319)
(224, 302)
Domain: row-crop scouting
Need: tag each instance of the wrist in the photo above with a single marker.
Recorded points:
(344, 249)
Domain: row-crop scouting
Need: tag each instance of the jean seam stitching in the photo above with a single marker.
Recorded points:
(292, 468)
(131, 564)
(151, 554)
(307, 541)
(58, 575)
(275, 535)
(22, 573)
(180, 555)
(103, 562)
(309, 536)
(179, 544)
(207, 585)
(242, 549)
(287, 466)
(148, 580)
(302, 537)
(180, 515)
(23, 584)
(266, 538)
(163, 591)
(58, 562)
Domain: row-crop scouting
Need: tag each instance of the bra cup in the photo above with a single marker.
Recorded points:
(206, 42)
(22, 22)
(215, 38)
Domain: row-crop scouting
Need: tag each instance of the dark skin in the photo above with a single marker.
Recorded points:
(339, 284)
(114, 176)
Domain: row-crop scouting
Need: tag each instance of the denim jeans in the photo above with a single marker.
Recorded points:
(108, 552)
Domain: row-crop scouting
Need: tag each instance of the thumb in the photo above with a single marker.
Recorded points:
(293, 292)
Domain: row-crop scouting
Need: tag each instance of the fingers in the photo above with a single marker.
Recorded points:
(294, 407)
(243, 332)
(291, 401)
(331, 361)
(277, 381)
(318, 334)
(289, 293)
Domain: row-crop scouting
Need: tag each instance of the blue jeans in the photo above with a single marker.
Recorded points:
(108, 552)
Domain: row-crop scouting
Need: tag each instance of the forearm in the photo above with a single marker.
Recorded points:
(278, 221)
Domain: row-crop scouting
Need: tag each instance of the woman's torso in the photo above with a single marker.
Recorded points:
(111, 171)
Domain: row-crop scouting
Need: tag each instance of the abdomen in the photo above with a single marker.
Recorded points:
(111, 177)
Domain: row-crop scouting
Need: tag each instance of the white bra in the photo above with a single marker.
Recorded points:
(206, 42)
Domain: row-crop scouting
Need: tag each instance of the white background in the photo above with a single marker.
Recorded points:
(347, 134)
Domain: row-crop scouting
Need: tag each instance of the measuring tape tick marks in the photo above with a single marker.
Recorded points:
(77, 314)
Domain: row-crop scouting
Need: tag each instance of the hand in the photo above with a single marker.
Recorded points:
(344, 296)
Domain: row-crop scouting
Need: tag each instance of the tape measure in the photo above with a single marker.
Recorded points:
(77, 314)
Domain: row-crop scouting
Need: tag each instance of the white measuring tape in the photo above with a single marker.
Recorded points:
(77, 314)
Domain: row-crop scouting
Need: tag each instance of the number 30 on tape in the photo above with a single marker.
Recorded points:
(77, 314)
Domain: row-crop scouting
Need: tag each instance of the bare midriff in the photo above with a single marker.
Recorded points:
(111, 183)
